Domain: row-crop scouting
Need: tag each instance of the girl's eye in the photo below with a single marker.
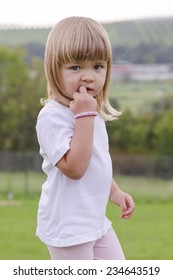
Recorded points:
(98, 66)
(75, 67)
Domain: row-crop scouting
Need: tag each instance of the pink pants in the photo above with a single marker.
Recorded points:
(106, 248)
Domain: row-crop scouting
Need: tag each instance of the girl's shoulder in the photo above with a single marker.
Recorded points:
(54, 109)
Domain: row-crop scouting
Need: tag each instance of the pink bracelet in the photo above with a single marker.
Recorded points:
(86, 114)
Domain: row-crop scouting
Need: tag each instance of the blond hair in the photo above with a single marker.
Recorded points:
(76, 39)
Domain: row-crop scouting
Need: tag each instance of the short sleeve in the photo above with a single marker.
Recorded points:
(54, 132)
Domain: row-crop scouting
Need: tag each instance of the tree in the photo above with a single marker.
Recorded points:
(20, 93)
(163, 134)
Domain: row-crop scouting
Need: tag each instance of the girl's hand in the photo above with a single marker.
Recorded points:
(82, 102)
(124, 201)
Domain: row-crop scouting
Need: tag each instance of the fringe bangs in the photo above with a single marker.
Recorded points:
(83, 42)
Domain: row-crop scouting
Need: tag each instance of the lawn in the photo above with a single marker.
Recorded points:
(147, 235)
(17, 234)
(137, 95)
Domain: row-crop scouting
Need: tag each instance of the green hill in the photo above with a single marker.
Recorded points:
(133, 33)
(140, 41)
(18, 37)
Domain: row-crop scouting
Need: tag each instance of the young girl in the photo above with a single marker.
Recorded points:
(74, 145)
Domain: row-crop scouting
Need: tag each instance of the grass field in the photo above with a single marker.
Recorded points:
(137, 95)
(147, 235)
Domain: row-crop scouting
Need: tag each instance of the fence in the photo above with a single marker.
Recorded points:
(160, 166)
(153, 166)
(20, 161)
(21, 174)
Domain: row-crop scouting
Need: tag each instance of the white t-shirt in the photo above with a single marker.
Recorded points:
(71, 211)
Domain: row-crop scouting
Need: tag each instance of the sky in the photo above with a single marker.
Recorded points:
(49, 12)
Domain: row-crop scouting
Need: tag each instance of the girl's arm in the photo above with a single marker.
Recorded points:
(123, 200)
(75, 162)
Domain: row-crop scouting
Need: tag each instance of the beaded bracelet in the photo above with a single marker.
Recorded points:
(86, 114)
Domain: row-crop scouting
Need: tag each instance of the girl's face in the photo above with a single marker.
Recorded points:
(90, 74)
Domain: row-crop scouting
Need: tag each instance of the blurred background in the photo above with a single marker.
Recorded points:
(140, 142)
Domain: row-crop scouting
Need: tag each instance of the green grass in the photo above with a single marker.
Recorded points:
(21, 183)
(17, 234)
(147, 235)
(144, 189)
(137, 95)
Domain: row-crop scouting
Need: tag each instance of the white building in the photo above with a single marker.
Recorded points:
(142, 72)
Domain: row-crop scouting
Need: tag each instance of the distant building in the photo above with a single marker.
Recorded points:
(142, 72)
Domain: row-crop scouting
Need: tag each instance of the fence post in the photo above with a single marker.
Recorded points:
(26, 174)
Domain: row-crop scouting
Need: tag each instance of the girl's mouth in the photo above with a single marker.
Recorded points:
(88, 89)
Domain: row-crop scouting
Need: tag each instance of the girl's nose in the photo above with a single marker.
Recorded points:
(87, 77)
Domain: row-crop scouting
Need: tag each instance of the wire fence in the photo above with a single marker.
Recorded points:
(140, 165)
(21, 173)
